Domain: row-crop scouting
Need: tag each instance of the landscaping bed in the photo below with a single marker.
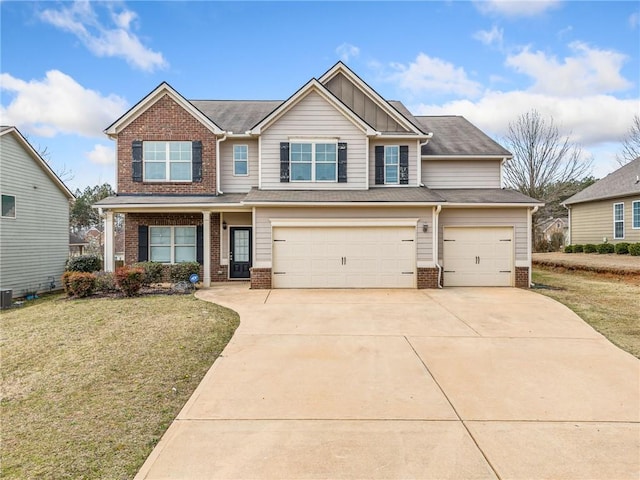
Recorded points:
(623, 265)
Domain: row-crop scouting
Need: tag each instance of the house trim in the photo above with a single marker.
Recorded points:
(344, 222)
(616, 221)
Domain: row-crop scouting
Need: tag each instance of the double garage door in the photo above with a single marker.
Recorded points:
(344, 257)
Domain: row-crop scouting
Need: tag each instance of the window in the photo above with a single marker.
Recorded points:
(167, 161)
(635, 209)
(314, 162)
(9, 206)
(240, 160)
(391, 164)
(172, 244)
(618, 220)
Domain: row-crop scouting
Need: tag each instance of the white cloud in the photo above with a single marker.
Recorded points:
(428, 74)
(102, 155)
(589, 71)
(116, 40)
(346, 51)
(490, 37)
(634, 20)
(58, 104)
(515, 8)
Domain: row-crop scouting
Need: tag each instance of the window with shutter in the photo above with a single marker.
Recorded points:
(136, 164)
(284, 162)
(342, 162)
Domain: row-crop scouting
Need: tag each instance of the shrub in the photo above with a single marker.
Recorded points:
(603, 248)
(79, 284)
(152, 272)
(568, 249)
(105, 282)
(634, 249)
(578, 249)
(129, 280)
(622, 248)
(65, 282)
(590, 248)
(542, 245)
(180, 272)
(557, 241)
(84, 263)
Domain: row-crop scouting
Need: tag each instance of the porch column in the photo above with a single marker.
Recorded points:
(206, 247)
(109, 260)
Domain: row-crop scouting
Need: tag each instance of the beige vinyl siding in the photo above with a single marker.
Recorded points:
(592, 222)
(488, 217)
(461, 173)
(35, 245)
(229, 183)
(233, 219)
(313, 117)
(265, 215)
(413, 164)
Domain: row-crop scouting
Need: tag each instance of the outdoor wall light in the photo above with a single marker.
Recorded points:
(224, 225)
(425, 227)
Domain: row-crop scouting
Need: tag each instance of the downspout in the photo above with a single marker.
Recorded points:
(436, 214)
(218, 142)
(530, 249)
(567, 241)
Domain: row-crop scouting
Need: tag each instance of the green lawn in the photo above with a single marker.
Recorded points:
(90, 386)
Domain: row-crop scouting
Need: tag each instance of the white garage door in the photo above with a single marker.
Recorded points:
(344, 257)
(480, 256)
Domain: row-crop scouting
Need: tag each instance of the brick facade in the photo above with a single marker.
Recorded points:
(261, 278)
(166, 121)
(522, 277)
(428, 277)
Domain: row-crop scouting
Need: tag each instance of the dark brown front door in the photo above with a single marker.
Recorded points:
(239, 252)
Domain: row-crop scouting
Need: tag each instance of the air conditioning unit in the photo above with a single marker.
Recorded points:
(6, 298)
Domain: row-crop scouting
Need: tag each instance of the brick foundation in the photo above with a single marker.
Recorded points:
(260, 278)
(428, 277)
(522, 277)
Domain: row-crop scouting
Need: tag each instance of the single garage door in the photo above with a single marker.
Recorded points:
(478, 257)
(344, 257)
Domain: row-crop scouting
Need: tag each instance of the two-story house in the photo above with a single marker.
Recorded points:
(334, 187)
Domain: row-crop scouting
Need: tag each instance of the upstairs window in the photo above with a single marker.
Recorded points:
(240, 160)
(618, 220)
(391, 164)
(8, 206)
(314, 162)
(167, 161)
(636, 214)
(172, 244)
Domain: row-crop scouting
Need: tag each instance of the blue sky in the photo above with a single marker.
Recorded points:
(69, 69)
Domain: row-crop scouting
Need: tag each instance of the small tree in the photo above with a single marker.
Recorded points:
(630, 143)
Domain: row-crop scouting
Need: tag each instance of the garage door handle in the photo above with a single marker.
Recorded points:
(505, 271)
(477, 260)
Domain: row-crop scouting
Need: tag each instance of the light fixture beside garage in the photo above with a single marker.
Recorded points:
(224, 225)
(425, 228)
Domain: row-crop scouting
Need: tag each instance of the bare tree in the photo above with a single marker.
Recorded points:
(65, 174)
(630, 143)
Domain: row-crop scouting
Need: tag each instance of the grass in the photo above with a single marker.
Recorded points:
(90, 386)
(609, 305)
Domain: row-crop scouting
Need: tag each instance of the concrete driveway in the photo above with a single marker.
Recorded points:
(461, 383)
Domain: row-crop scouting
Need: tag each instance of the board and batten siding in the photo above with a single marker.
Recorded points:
(264, 216)
(592, 222)
(313, 117)
(461, 173)
(230, 183)
(413, 164)
(488, 217)
(34, 246)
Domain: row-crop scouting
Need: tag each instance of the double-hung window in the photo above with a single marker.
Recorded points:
(391, 164)
(314, 162)
(172, 244)
(618, 220)
(635, 214)
(167, 161)
(8, 206)
(240, 160)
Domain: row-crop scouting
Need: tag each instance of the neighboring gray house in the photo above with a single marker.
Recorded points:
(34, 225)
(608, 210)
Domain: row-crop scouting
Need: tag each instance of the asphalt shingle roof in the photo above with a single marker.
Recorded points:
(236, 116)
(382, 195)
(150, 200)
(621, 183)
(484, 195)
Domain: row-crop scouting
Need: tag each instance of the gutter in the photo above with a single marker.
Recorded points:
(218, 142)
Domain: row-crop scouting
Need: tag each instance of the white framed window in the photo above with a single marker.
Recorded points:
(172, 244)
(618, 220)
(240, 160)
(314, 161)
(167, 161)
(8, 206)
(391, 164)
(635, 214)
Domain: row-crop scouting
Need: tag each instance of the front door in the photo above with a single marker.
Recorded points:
(239, 252)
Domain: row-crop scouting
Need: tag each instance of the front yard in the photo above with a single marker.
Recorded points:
(90, 386)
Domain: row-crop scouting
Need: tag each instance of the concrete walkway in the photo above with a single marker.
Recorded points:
(463, 383)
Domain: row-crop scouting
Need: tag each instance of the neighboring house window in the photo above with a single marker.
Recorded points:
(9, 206)
(636, 214)
(391, 164)
(172, 244)
(167, 161)
(314, 162)
(240, 160)
(618, 220)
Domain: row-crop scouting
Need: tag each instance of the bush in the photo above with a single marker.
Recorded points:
(590, 248)
(105, 282)
(129, 280)
(180, 272)
(152, 272)
(603, 248)
(557, 241)
(568, 249)
(542, 246)
(79, 284)
(634, 249)
(65, 282)
(622, 248)
(578, 249)
(84, 263)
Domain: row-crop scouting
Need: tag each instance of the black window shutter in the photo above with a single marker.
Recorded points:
(379, 164)
(404, 165)
(200, 244)
(284, 162)
(136, 164)
(196, 161)
(143, 243)
(342, 162)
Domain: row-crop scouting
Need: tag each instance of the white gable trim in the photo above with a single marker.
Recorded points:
(143, 105)
(313, 86)
(39, 160)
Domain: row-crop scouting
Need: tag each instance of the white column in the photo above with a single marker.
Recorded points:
(109, 260)
(206, 248)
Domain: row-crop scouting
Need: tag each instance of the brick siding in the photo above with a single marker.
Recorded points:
(261, 278)
(522, 277)
(428, 277)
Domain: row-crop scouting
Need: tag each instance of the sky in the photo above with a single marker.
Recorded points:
(70, 69)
